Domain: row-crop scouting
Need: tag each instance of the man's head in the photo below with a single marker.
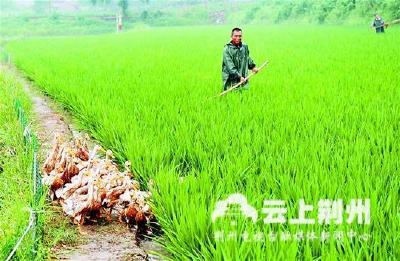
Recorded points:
(236, 36)
(377, 17)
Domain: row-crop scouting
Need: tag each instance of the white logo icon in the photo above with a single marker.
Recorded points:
(222, 207)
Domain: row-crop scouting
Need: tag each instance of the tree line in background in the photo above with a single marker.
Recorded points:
(324, 10)
(315, 11)
(175, 12)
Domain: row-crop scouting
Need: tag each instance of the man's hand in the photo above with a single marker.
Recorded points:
(242, 79)
(255, 70)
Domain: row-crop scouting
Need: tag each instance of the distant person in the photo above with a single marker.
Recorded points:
(236, 61)
(378, 24)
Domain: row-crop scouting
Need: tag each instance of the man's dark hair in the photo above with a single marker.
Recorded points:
(236, 29)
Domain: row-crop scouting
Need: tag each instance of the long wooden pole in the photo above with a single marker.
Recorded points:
(245, 79)
(392, 23)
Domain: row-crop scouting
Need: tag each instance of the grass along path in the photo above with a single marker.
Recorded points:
(15, 171)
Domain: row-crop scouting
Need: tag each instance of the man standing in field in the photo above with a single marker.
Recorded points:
(378, 24)
(236, 61)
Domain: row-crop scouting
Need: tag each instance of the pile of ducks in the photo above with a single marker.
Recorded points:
(90, 186)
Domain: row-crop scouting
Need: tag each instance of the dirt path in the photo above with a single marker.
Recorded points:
(104, 242)
(108, 241)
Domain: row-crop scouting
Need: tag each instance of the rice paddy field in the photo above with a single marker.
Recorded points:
(321, 121)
